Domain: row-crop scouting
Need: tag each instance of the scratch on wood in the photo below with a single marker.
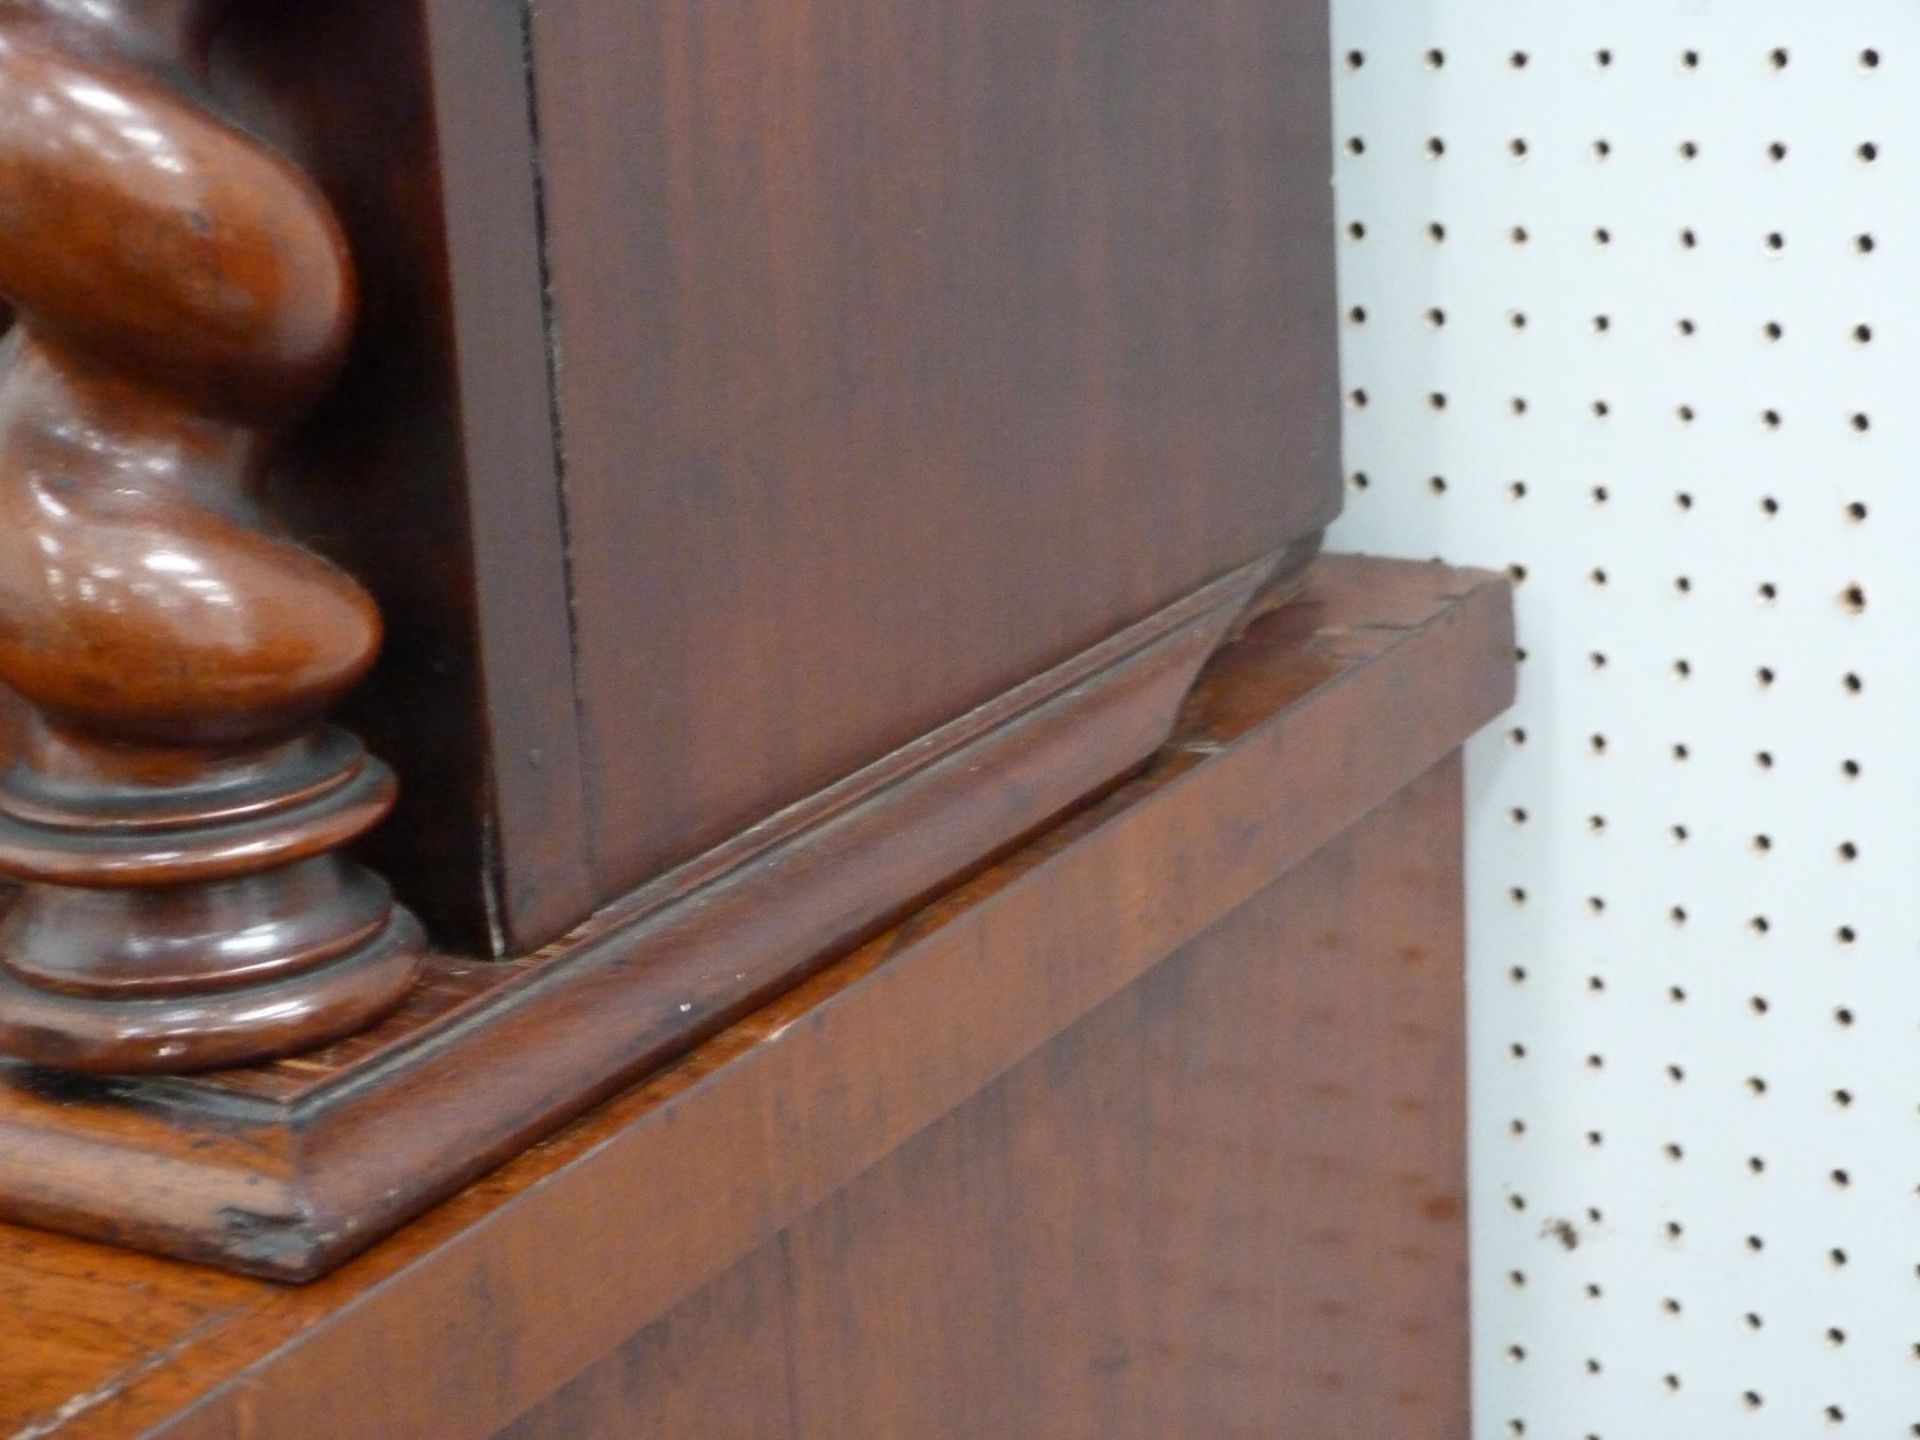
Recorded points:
(118, 1384)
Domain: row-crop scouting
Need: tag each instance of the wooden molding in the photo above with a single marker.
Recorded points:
(286, 1170)
(1324, 715)
(181, 295)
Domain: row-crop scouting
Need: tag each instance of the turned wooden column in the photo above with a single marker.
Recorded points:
(181, 295)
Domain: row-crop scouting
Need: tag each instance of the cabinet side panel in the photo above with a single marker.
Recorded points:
(905, 350)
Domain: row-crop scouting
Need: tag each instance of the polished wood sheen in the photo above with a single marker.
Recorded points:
(803, 451)
(716, 367)
(719, 367)
(1228, 1204)
(904, 350)
(1153, 1128)
(182, 295)
(286, 1171)
(945, 913)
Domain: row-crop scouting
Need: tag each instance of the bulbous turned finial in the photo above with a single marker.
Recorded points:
(182, 293)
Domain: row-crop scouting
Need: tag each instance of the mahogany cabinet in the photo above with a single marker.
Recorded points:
(533, 531)
(1153, 1128)
(745, 391)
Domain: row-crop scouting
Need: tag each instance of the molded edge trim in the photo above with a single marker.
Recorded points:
(641, 984)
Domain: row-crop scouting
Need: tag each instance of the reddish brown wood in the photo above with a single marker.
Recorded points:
(1228, 1204)
(1301, 728)
(429, 470)
(1283, 1086)
(182, 295)
(977, 332)
(905, 350)
(999, 437)
(12, 728)
(287, 1172)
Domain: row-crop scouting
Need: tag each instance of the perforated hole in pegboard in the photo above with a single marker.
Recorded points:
(1628, 293)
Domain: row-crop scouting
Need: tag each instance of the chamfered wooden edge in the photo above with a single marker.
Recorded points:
(1327, 709)
(489, 176)
(289, 1190)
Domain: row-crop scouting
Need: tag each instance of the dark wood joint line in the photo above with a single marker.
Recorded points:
(182, 294)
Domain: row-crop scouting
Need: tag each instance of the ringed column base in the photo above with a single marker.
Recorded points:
(153, 939)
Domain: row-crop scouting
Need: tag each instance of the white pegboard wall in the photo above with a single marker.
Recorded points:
(1631, 312)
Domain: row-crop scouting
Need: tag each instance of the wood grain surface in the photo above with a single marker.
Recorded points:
(431, 470)
(722, 369)
(904, 350)
(1229, 1204)
(486, 1058)
(1325, 710)
(719, 369)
